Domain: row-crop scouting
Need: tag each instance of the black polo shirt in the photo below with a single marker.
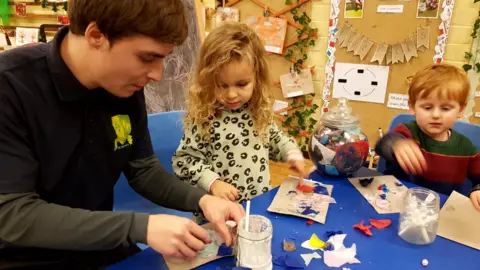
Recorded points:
(65, 142)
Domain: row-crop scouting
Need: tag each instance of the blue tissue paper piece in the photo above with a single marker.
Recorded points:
(383, 196)
(331, 170)
(309, 212)
(223, 250)
(241, 268)
(324, 140)
(385, 188)
(329, 234)
(292, 262)
(279, 260)
(398, 184)
(319, 189)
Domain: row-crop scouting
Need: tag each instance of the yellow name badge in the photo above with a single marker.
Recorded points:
(122, 126)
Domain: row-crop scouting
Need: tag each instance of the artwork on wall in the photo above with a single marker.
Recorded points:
(226, 14)
(169, 93)
(297, 84)
(428, 9)
(271, 30)
(366, 83)
(354, 8)
(25, 36)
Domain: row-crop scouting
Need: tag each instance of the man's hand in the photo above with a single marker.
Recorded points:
(224, 190)
(175, 236)
(298, 166)
(217, 211)
(475, 198)
(410, 157)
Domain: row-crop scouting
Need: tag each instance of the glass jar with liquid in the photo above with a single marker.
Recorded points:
(418, 221)
(255, 243)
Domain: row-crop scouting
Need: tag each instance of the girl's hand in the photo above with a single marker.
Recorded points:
(475, 198)
(224, 190)
(298, 166)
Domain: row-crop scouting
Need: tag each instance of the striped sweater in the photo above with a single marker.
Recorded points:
(449, 163)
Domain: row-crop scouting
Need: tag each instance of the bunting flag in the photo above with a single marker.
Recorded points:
(401, 52)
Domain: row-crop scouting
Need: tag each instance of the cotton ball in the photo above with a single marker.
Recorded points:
(425, 262)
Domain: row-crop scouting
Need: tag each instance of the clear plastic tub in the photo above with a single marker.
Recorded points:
(255, 245)
(418, 221)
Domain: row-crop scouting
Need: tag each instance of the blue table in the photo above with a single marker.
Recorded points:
(385, 250)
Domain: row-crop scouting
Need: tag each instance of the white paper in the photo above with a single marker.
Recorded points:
(397, 101)
(3, 39)
(477, 114)
(341, 254)
(280, 104)
(25, 36)
(307, 258)
(477, 94)
(390, 9)
(358, 82)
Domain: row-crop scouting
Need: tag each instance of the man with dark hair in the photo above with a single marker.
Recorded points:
(72, 118)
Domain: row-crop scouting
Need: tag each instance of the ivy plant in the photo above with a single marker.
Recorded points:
(472, 59)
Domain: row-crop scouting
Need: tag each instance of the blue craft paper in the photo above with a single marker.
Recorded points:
(223, 250)
(279, 260)
(329, 234)
(292, 262)
(398, 184)
(324, 140)
(383, 196)
(319, 189)
(241, 268)
(330, 247)
(308, 211)
(385, 188)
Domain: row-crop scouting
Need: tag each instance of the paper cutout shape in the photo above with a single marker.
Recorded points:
(297, 84)
(307, 245)
(365, 182)
(358, 82)
(181, 264)
(380, 53)
(389, 55)
(307, 258)
(409, 49)
(226, 14)
(397, 53)
(363, 228)
(311, 206)
(344, 33)
(423, 37)
(288, 246)
(380, 223)
(458, 221)
(354, 42)
(271, 30)
(316, 242)
(329, 234)
(394, 198)
(340, 255)
(292, 262)
(305, 188)
(364, 48)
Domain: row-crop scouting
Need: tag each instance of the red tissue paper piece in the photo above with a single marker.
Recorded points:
(363, 228)
(380, 223)
(305, 188)
(310, 222)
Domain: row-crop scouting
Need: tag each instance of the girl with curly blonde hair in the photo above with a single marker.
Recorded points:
(229, 129)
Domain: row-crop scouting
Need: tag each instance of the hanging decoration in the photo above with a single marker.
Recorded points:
(21, 9)
(330, 64)
(395, 53)
(443, 29)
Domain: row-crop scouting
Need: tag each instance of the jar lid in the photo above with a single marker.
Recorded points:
(340, 116)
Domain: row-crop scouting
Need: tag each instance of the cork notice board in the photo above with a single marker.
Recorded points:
(387, 28)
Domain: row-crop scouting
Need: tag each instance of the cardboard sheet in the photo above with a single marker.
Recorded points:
(384, 202)
(458, 212)
(290, 201)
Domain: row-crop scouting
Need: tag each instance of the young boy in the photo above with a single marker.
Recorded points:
(427, 151)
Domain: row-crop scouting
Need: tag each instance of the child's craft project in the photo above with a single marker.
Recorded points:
(213, 251)
(458, 212)
(340, 254)
(384, 193)
(271, 30)
(310, 202)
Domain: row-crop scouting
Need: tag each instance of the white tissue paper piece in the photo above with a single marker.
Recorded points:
(340, 255)
(309, 257)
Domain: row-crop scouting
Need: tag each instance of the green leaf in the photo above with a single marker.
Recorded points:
(304, 57)
(313, 121)
(315, 106)
(299, 61)
(294, 11)
(299, 32)
(467, 67)
(312, 42)
(477, 66)
(468, 55)
(288, 2)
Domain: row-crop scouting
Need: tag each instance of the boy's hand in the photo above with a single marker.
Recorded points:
(224, 190)
(298, 166)
(475, 198)
(410, 157)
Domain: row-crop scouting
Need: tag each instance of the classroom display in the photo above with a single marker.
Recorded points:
(310, 201)
(338, 147)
